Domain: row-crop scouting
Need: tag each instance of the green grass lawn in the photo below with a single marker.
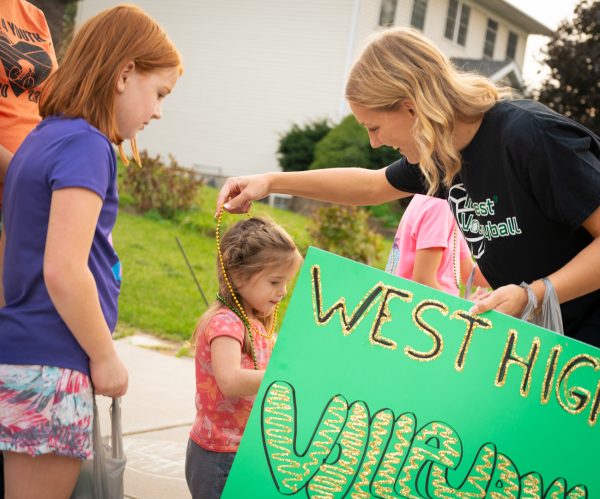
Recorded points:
(158, 293)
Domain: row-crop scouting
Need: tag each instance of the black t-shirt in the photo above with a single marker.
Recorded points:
(528, 180)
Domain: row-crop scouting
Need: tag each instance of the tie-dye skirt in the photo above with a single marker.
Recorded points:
(45, 410)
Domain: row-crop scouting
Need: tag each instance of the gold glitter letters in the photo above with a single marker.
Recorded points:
(352, 454)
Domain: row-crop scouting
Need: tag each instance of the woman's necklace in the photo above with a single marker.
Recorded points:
(240, 310)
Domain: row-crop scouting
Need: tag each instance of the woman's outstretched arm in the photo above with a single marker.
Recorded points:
(349, 186)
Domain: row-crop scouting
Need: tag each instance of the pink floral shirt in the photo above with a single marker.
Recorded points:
(220, 420)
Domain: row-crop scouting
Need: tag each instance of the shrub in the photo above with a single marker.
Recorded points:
(388, 215)
(344, 230)
(348, 144)
(297, 146)
(156, 186)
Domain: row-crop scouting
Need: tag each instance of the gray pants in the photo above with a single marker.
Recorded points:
(206, 471)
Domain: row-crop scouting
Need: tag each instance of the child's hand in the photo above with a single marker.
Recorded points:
(109, 376)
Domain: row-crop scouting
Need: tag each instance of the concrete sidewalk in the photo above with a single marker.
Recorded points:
(158, 412)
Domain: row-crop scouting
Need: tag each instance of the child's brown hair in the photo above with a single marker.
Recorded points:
(249, 247)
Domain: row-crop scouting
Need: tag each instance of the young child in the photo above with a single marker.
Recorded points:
(61, 275)
(430, 249)
(234, 339)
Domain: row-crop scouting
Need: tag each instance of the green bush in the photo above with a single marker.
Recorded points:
(344, 230)
(156, 186)
(388, 214)
(297, 146)
(348, 144)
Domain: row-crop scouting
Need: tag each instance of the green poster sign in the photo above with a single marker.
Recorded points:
(380, 387)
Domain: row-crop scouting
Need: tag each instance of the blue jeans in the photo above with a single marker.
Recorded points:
(206, 472)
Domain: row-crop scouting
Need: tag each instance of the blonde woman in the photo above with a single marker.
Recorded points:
(523, 182)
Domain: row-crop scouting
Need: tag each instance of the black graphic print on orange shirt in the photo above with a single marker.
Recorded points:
(26, 65)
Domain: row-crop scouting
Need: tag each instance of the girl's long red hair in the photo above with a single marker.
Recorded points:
(85, 83)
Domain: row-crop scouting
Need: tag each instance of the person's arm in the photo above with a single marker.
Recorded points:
(73, 217)
(5, 157)
(466, 267)
(480, 280)
(349, 186)
(425, 268)
(580, 276)
(232, 379)
(427, 262)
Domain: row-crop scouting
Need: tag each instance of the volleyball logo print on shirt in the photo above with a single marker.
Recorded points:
(465, 217)
(25, 65)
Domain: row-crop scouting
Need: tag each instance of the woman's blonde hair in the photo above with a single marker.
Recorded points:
(249, 247)
(399, 64)
(86, 81)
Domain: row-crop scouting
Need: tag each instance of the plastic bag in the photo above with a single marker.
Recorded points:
(550, 316)
(469, 284)
(102, 476)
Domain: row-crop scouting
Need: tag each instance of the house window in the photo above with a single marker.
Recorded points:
(490, 38)
(460, 35)
(451, 19)
(464, 25)
(511, 47)
(418, 14)
(387, 14)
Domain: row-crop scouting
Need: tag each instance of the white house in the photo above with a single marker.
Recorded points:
(255, 67)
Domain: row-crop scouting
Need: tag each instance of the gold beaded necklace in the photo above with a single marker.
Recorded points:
(240, 312)
(252, 350)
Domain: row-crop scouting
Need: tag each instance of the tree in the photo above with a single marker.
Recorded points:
(347, 144)
(573, 55)
(297, 146)
(60, 16)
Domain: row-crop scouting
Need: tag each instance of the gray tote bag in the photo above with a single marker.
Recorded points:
(102, 476)
(550, 316)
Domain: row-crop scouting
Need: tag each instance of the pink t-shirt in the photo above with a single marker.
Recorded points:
(427, 223)
(220, 421)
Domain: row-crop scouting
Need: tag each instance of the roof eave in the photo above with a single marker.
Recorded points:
(518, 17)
(509, 68)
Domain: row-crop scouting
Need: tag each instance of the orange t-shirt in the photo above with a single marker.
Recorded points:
(28, 58)
(220, 420)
